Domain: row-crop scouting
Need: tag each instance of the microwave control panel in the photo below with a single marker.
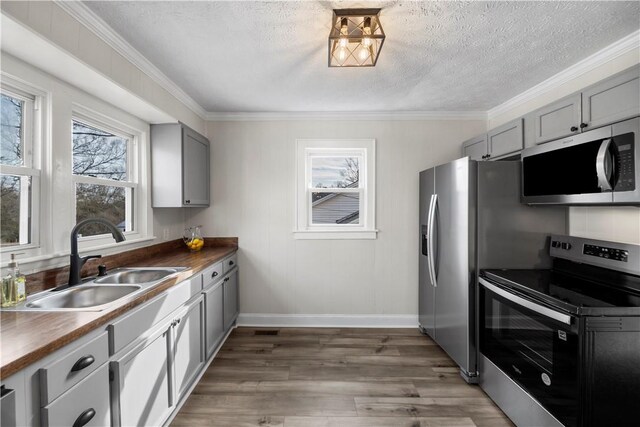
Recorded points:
(625, 167)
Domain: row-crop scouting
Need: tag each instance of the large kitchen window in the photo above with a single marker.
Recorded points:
(335, 189)
(104, 174)
(19, 168)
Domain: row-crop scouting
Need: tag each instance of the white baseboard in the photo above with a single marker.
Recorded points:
(329, 320)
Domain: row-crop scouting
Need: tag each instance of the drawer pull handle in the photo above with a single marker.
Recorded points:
(214, 274)
(82, 363)
(84, 417)
(231, 263)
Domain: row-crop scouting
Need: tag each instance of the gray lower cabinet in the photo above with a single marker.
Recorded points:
(230, 290)
(188, 345)
(214, 319)
(475, 148)
(612, 100)
(141, 386)
(506, 139)
(85, 404)
(558, 119)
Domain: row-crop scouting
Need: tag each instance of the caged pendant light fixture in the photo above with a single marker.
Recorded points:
(356, 38)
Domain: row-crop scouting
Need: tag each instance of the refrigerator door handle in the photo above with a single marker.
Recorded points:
(430, 224)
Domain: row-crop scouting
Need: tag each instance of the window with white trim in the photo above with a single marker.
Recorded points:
(105, 173)
(19, 169)
(335, 189)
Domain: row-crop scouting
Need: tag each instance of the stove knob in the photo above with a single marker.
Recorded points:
(566, 246)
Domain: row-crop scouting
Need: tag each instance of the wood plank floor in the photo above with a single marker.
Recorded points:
(335, 377)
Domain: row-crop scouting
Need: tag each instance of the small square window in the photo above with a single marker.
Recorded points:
(335, 189)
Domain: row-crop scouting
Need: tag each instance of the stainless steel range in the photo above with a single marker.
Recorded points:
(562, 346)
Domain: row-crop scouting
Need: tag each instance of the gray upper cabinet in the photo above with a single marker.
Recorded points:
(612, 100)
(475, 148)
(557, 120)
(506, 139)
(179, 167)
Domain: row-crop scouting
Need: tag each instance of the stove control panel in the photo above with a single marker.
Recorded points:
(613, 255)
(605, 252)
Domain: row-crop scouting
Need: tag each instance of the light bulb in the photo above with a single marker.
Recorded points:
(363, 54)
(344, 42)
(342, 54)
(366, 41)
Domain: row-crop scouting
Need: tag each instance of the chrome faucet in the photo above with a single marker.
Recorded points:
(76, 261)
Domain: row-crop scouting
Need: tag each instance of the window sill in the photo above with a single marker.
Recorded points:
(335, 235)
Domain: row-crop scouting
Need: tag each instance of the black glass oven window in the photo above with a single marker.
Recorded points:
(537, 352)
(570, 170)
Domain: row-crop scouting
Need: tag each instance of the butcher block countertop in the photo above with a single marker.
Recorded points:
(28, 336)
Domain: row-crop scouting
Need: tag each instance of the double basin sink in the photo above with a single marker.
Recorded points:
(99, 293)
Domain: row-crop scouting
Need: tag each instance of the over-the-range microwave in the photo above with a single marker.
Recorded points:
(599, 167)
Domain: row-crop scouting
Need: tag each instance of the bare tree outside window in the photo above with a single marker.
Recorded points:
(102, 155)
(335, 207)
(11, 151)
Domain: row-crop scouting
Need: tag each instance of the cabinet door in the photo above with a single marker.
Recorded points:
(559, 119)
(141, 382)
(506, 139)
(195, 169)
(230, 299)
(214, 320)
(475, 148)
(188, 345)
(613, 100)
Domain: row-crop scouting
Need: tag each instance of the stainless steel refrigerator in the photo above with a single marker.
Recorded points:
(471, 218)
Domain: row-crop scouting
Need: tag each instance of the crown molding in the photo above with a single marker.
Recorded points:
(609, 53)
(100, 28)
(346, 115)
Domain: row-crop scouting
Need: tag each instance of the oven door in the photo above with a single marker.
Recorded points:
(534, 345)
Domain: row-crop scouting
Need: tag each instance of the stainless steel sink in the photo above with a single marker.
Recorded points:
(136, 276)
(97, 294)
(82, 297)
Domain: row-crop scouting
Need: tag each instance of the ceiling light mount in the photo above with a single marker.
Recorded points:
(356, 38)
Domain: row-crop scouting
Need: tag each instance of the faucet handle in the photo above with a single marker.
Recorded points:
(88, 257)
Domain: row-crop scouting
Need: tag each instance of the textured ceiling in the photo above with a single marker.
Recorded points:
(438, 56)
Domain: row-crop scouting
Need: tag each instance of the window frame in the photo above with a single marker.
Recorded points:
(306, 151)
(135, 211)
(33, 126)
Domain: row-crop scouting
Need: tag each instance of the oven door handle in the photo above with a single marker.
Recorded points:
(540, 309)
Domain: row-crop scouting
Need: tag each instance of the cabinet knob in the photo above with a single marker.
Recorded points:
(574, 128)
(231, 263)
(85, 417)
(214, 274)
(488, 155)
(82, 363)
(583, 125)
(187, 201)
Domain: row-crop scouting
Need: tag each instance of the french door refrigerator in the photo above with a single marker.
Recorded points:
(471, 218)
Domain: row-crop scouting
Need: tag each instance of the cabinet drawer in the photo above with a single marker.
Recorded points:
(132, 325)
(211, 275)
(90, 396)
(64, 373)
(229, 263)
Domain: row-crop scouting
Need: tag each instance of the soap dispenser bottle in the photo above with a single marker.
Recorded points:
(13, 285)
